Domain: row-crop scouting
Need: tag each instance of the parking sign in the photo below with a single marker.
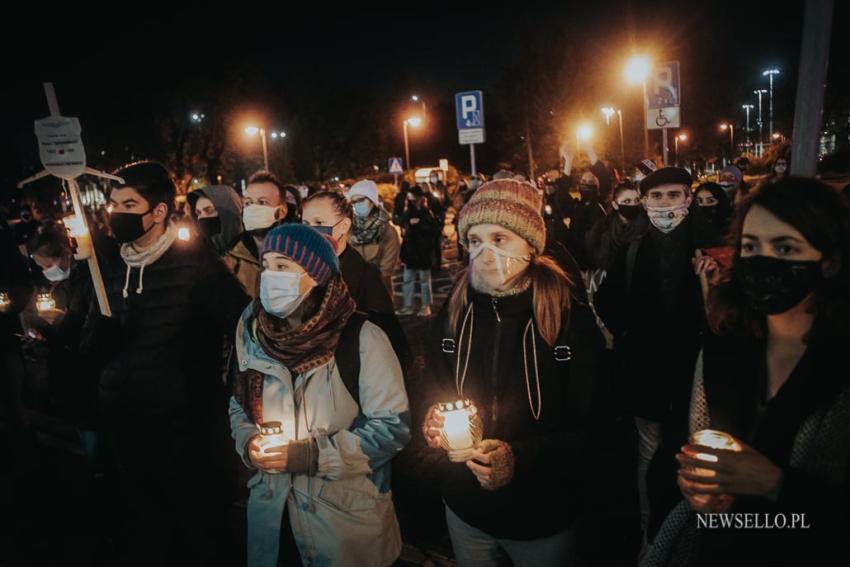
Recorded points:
(469, 110)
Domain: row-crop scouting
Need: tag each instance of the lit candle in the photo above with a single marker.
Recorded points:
(78, 231)
(462, 429)
(5, 302)
(271, 437)
(715, 440)
(44, 302)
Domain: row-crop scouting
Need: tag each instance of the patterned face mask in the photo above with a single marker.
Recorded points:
(666, 219)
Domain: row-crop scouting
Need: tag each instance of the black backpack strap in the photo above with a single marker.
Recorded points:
(347, 354)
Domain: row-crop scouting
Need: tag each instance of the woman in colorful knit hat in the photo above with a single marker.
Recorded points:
(513, 341)
(319, 409)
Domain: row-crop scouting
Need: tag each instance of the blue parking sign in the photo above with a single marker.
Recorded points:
(469, 108)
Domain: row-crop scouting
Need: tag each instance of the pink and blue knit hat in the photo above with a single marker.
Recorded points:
(306, 247)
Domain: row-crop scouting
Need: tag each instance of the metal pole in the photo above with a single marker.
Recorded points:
(732, 141)
(676, 146)
(472, 160)
(265, 149)
(664, 144)
(771, 106)
(645, 125)
(808, 113)
(622, 146)
(406, 147)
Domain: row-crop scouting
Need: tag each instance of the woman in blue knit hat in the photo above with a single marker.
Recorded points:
(319, 409)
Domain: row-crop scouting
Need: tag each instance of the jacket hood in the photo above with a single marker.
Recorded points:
(229, 207)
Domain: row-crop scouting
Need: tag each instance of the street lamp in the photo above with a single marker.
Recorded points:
(747, 108)
(583, 133)
(731, 128)
(770, 73)
(683, 137)
(197, 116)
(415, 98)
(414, 121)
(253, 131)
(637, 70)
(760, 92)
(609, 112)
(276, 135)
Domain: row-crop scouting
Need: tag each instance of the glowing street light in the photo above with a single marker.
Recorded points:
(747, 108)
(276, 135)
(608, 112)
(414, 121)
(731, 129)
(638, 69)
(253, 131)
(414, 98)
(770, 73)
(197, 117)
(584, 133)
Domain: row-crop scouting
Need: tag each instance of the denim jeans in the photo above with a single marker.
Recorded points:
(474, 548)
(408, 283)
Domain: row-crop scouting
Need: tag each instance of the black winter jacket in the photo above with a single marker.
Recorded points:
(550, 452)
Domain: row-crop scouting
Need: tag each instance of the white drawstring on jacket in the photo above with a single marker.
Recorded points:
(460, 378)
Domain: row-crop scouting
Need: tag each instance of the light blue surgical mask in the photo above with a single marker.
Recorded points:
(280, 292)
(56, 274)
(362, 208)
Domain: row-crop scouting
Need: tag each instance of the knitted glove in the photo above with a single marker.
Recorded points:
(501, 463)
(303, 457)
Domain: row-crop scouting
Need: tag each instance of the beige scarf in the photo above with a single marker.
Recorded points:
(140, 258)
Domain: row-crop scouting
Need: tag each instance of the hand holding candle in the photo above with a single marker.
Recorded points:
(268, 451)
(715, 466)
(460, 429)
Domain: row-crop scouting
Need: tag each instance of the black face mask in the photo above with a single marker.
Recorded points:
(128, 227)
(774, 286)
(629, 212)
(210, 226)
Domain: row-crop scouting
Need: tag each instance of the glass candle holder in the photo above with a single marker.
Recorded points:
(44, 302)
(82, 238)
(462, 429)
(272, 436)
(716, 440)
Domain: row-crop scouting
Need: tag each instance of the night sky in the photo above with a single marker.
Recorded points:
(114, 69)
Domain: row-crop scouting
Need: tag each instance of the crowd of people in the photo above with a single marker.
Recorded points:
(267, 352)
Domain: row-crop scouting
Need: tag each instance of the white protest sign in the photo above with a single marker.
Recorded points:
(60, 146)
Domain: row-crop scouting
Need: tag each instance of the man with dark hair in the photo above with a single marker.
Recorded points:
(160, 389)
(265, 206)
(652, 303)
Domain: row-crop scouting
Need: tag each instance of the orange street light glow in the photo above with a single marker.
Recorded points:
(638, 68)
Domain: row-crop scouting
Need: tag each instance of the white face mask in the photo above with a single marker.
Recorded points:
(666, 219)
(280, 292)
(781, 168)
(504, 260)
(56, 274)
(258, 217)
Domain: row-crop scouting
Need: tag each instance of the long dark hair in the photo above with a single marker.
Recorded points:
(823, 218)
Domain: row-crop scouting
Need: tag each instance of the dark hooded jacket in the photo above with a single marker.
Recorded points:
(229, 207)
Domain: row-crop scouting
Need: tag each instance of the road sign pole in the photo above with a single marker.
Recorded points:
(664, 144)
(472, 160)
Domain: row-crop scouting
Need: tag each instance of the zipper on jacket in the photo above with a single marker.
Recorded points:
(494, 371)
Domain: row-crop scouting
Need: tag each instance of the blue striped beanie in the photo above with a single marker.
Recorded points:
(306, 247)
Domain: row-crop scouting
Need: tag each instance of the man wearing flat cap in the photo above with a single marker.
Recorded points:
(652, 303)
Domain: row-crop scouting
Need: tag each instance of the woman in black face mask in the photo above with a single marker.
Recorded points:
(715, 205)
(627, 221)
(775, 378)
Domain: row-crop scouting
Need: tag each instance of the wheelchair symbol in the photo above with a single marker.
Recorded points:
(661, 120)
